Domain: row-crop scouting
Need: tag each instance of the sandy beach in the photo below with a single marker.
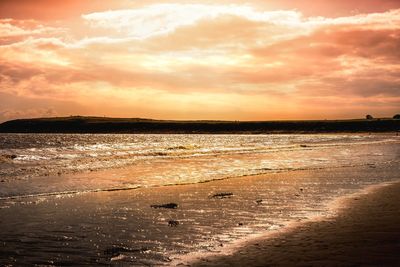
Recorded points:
(122, 228)
(365, 232)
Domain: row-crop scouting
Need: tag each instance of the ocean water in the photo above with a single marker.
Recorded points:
(64, 198)
(33, 164)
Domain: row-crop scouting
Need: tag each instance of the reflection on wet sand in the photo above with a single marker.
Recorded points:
(121, 226)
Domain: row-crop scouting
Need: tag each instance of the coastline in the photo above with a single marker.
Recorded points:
(82, 124)
(364, 229)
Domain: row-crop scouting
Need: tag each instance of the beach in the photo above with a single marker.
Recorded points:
(121, 227)
(365, 232)
(194, 206)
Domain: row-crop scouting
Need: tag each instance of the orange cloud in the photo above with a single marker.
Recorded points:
(194, 61)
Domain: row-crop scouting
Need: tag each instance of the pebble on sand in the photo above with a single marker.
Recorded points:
(165, 206)
(173, 223)
(222, 195)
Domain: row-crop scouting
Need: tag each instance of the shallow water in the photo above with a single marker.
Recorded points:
(121, 228)
(33, 164)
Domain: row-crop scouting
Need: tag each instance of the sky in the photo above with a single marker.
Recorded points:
(216, 60)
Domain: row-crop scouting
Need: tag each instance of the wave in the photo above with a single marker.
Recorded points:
(169, 160)
(253, 172)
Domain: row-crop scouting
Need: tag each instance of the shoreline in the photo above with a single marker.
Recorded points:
(64, 180)
(349, 217)
(103, 172)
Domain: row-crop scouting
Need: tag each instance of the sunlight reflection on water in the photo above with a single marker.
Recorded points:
(42, 162)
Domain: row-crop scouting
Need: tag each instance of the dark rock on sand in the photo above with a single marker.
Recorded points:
(173, 223)
(116, 251)
(222, 195)
(165, 206)
(371, 165)
(259, 201)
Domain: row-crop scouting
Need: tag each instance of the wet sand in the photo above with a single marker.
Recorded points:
(365, 232)
(121, 228)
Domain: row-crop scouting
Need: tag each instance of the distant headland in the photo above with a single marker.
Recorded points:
(80, 124)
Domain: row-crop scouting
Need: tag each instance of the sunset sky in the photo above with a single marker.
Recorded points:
(229, 60)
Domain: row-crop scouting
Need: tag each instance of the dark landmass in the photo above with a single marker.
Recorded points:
(78, 124)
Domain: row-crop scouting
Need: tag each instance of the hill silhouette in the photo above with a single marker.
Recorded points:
(80, 124)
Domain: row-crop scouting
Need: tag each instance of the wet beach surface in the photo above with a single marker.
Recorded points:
(364, 232)
(121, 227)
(151, 199)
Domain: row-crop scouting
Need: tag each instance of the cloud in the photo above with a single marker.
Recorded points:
(164, 19)
(12, 30)
(161, 19)
(11, 27)
(192, 55)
